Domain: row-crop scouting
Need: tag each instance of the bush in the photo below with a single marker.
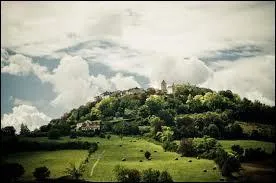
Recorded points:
(10, 172)
(147, 154)
(170, 146)
(255, 154)
(102, 135)
(186, 147)
(73, 135)
(126, 175)
(150, 175)
(165, 177)
(41, 173)
(92, 148)
(75, 172)
(232, 164)
(54, 134)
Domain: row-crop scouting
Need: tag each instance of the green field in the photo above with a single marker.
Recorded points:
(110, 154)
(267, 146)
(56, 161)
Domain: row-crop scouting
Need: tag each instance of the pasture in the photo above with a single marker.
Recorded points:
(110, 153)
(267, 146)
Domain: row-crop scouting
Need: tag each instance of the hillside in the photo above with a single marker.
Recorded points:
(189, 111)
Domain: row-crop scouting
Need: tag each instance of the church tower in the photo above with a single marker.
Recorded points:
(164, 86)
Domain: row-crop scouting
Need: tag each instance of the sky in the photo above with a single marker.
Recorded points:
(56, 56)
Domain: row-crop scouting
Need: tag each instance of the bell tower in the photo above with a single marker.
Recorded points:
(164, 86)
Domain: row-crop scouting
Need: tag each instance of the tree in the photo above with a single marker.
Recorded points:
(186, 147)
(144, 111)
(213, 130)
(231, 164)
(147, 154)
(167, 116)
(165, 177)
(156, 124)
(24, 130)
(150, 175)
(75, 172)
(237, 149)
(54, 134)
(11, 172)
(155, 103)
(8, 131)
(41, 173)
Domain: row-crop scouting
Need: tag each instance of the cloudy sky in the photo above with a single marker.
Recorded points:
(56, 56)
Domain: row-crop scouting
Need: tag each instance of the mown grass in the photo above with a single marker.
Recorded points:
(267, 146)
(56, 161)
(181, 169)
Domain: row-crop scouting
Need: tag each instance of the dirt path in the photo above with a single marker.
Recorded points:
(95, 164)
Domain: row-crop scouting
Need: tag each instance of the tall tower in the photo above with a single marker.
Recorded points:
(164, 86)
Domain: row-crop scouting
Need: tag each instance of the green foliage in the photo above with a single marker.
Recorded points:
(237, 149)
(41, 173)
(75, 172)
(107, 106)
(126, 175)
(169, 146)
(24, 130)
(8, 131)
(150, 175)
(147, 154)
(165, 177)
(231, 164)
(186, 147)
(92, 148)
(156, 124)
(155, 103)
(125, 128)
(54, 134)
(144, 111)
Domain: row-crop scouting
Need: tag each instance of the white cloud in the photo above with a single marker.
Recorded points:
(176, 28)
(74, 86)
(124, 83)
(21, 65)
(17, 101)
(253, 78)
(26, 114)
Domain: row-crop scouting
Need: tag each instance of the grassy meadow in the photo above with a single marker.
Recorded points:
(267, 146)
(109, 154)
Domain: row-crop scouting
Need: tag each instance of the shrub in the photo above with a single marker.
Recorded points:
(75, 172)
(147, 154)
(41, 173)
(255, 154)
(11, 172)
(126, 175)
(232, 164)
(186, 147)
(92, 148)
(165, 177)
(73, 135)
(102, 135)
(54, 134)
(150, 175)
(170, 146)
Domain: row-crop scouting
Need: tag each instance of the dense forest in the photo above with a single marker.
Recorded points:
(190, 111)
